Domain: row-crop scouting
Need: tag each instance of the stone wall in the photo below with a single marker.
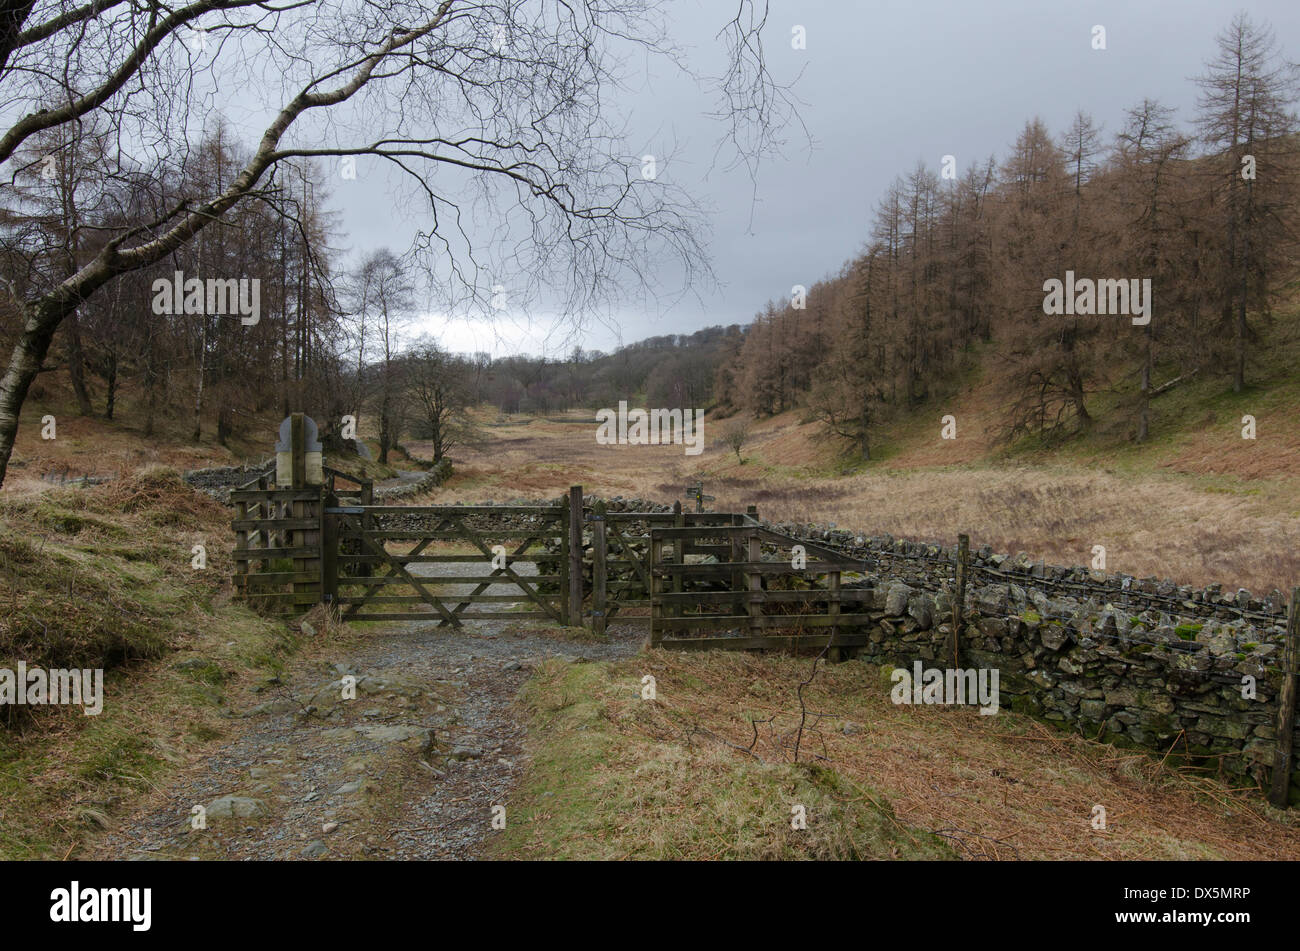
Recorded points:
(1145, 678)
(218, 481)
(435, 476)
(1136, 661)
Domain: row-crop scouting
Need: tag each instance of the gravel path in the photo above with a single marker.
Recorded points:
(409, 769)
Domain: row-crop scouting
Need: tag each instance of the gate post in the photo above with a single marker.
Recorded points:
(329, 552)
(656, 587)
(679, 547)
(303, 470)
(562, 566)
(754, 554)
(737, 555)
(298, 451)
(575, 556)
(1281, 792)
(598, 572)
(834, 654)
(959, 598)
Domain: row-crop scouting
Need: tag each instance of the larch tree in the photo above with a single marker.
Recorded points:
(1148, 150)
(1246, 118)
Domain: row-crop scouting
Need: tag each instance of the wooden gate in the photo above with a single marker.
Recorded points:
(702, 574)
(372, 556)
(620, 544)
(714, 588)
(278, 553)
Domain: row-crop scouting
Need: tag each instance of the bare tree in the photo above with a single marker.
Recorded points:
(1147, 151)
(387, 295)
(441, 386)
(503, 99)
(734, 438)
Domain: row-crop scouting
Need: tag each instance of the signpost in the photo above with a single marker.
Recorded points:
(696, 492)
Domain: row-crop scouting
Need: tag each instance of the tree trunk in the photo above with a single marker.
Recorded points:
(77, 366)
(198, 393)
(864, 428)
(40, 320)
(151, 391)
(223, 424)
(110, 377)
(1239, 371)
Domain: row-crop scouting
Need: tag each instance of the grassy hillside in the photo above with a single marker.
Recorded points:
(102, 577)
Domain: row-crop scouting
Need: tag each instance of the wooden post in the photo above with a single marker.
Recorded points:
(959, 597)
(367, 569)
(575, 556)
(329, 552)
(679, 547)
(308, 562)
(1286, 706)
(241, 544)
(741, 582)
(656, 586)
(737, 576)
(598, 569)
(565, 611)
(754, 553)
(298, 449)
(833, 583)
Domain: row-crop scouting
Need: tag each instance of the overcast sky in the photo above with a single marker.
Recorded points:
(883, 84)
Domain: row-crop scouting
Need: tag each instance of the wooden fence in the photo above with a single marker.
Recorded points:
(621, 544)
(296, 547)
(731, 597)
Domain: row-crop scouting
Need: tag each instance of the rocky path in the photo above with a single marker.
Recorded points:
(410, 767)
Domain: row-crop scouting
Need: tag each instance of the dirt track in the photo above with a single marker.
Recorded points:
(409, 769)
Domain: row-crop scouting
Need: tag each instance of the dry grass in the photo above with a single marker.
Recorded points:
(610, 778)
(1165, 520)
(997, 787)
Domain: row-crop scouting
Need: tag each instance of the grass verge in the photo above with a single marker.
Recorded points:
(707, 771)
(617, 777)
